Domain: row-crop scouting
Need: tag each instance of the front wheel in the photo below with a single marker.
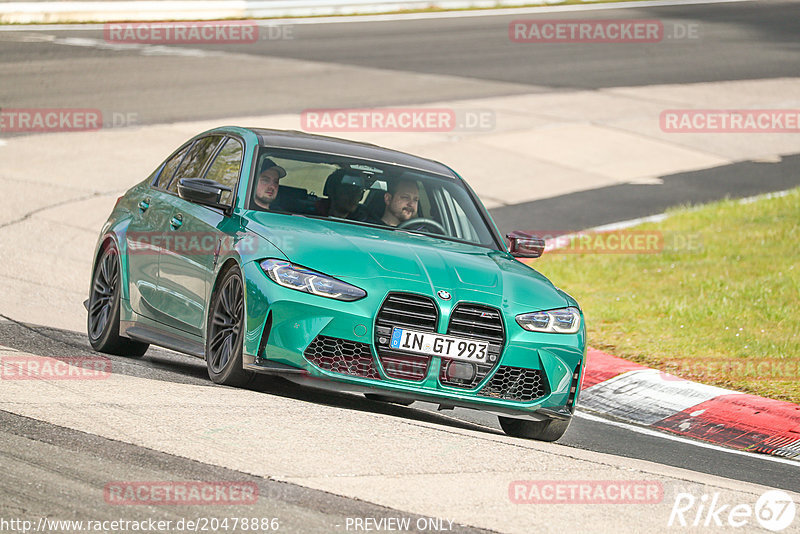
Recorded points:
(549, 430)
(225, 332)
(102, 323)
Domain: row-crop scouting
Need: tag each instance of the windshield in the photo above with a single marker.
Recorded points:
(368, 193)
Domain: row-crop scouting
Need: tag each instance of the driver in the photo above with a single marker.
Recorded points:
(402, 202)
(266, 189)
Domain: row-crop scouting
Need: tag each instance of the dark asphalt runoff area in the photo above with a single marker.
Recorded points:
(414, 61)
(419, 61)
(62, 474)
(607, 205)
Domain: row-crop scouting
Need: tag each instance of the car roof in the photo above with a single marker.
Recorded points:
(291, 139)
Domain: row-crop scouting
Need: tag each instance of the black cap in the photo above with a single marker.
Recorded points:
(268, 164)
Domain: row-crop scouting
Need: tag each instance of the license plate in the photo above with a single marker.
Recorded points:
(439, 345)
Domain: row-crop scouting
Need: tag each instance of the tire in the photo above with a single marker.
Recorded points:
(385, 398)
(102, 320)
(550, 430)
(225, 332)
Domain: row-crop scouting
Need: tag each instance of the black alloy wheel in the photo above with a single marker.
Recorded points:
(225, 332)
(103, 318)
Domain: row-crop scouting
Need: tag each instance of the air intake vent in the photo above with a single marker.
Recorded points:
(342, 356)
(475, 322)
(573, 388)
(516, 383)
(404, 310)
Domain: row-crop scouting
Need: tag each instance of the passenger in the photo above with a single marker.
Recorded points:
(267, 184)
(345, 192)
(402, 202)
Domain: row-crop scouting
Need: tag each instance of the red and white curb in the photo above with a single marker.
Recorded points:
(637, 394)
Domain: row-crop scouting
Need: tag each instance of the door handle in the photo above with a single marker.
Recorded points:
(144, 204)
(176, 221)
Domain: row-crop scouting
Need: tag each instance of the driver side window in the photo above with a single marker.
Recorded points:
(169, 168)
(226, 168)
(195, 160)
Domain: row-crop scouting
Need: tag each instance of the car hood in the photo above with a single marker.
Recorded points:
(381, 260)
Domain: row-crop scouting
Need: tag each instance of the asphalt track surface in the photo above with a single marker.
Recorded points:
(738, 41)
(419, 61)
(38, 482)
(583, 433)
(612, 204)
(439, 59)
(735, 42)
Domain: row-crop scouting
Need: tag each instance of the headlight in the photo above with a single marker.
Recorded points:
(561, 321)
(295, 277)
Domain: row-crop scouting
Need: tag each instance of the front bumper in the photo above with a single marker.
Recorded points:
(289, 333)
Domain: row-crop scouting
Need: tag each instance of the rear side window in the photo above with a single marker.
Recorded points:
(226, 167)
(195, 160)
(169, 168)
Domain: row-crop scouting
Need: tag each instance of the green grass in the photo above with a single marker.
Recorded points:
(724, 312)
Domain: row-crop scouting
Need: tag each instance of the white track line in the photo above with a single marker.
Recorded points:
(563, 240)
(181, 6)
(581, 414)
(621, 225)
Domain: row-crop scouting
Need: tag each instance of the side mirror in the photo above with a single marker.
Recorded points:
(524, 245)
(202, 191)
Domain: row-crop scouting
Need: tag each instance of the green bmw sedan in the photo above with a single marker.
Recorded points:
(339, 265)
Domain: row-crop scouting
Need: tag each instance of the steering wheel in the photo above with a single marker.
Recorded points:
(422, 222)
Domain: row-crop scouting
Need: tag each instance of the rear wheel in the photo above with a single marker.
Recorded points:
(103, 318)
(549, 430)
(225, 332)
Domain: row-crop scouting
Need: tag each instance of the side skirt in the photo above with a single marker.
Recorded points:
(155, 336)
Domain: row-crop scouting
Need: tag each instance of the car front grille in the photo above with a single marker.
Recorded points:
(404, 310)
(516, 383)
(342, 356)
(480, 323)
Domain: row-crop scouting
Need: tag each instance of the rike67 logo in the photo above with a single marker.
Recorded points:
(774, 510)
